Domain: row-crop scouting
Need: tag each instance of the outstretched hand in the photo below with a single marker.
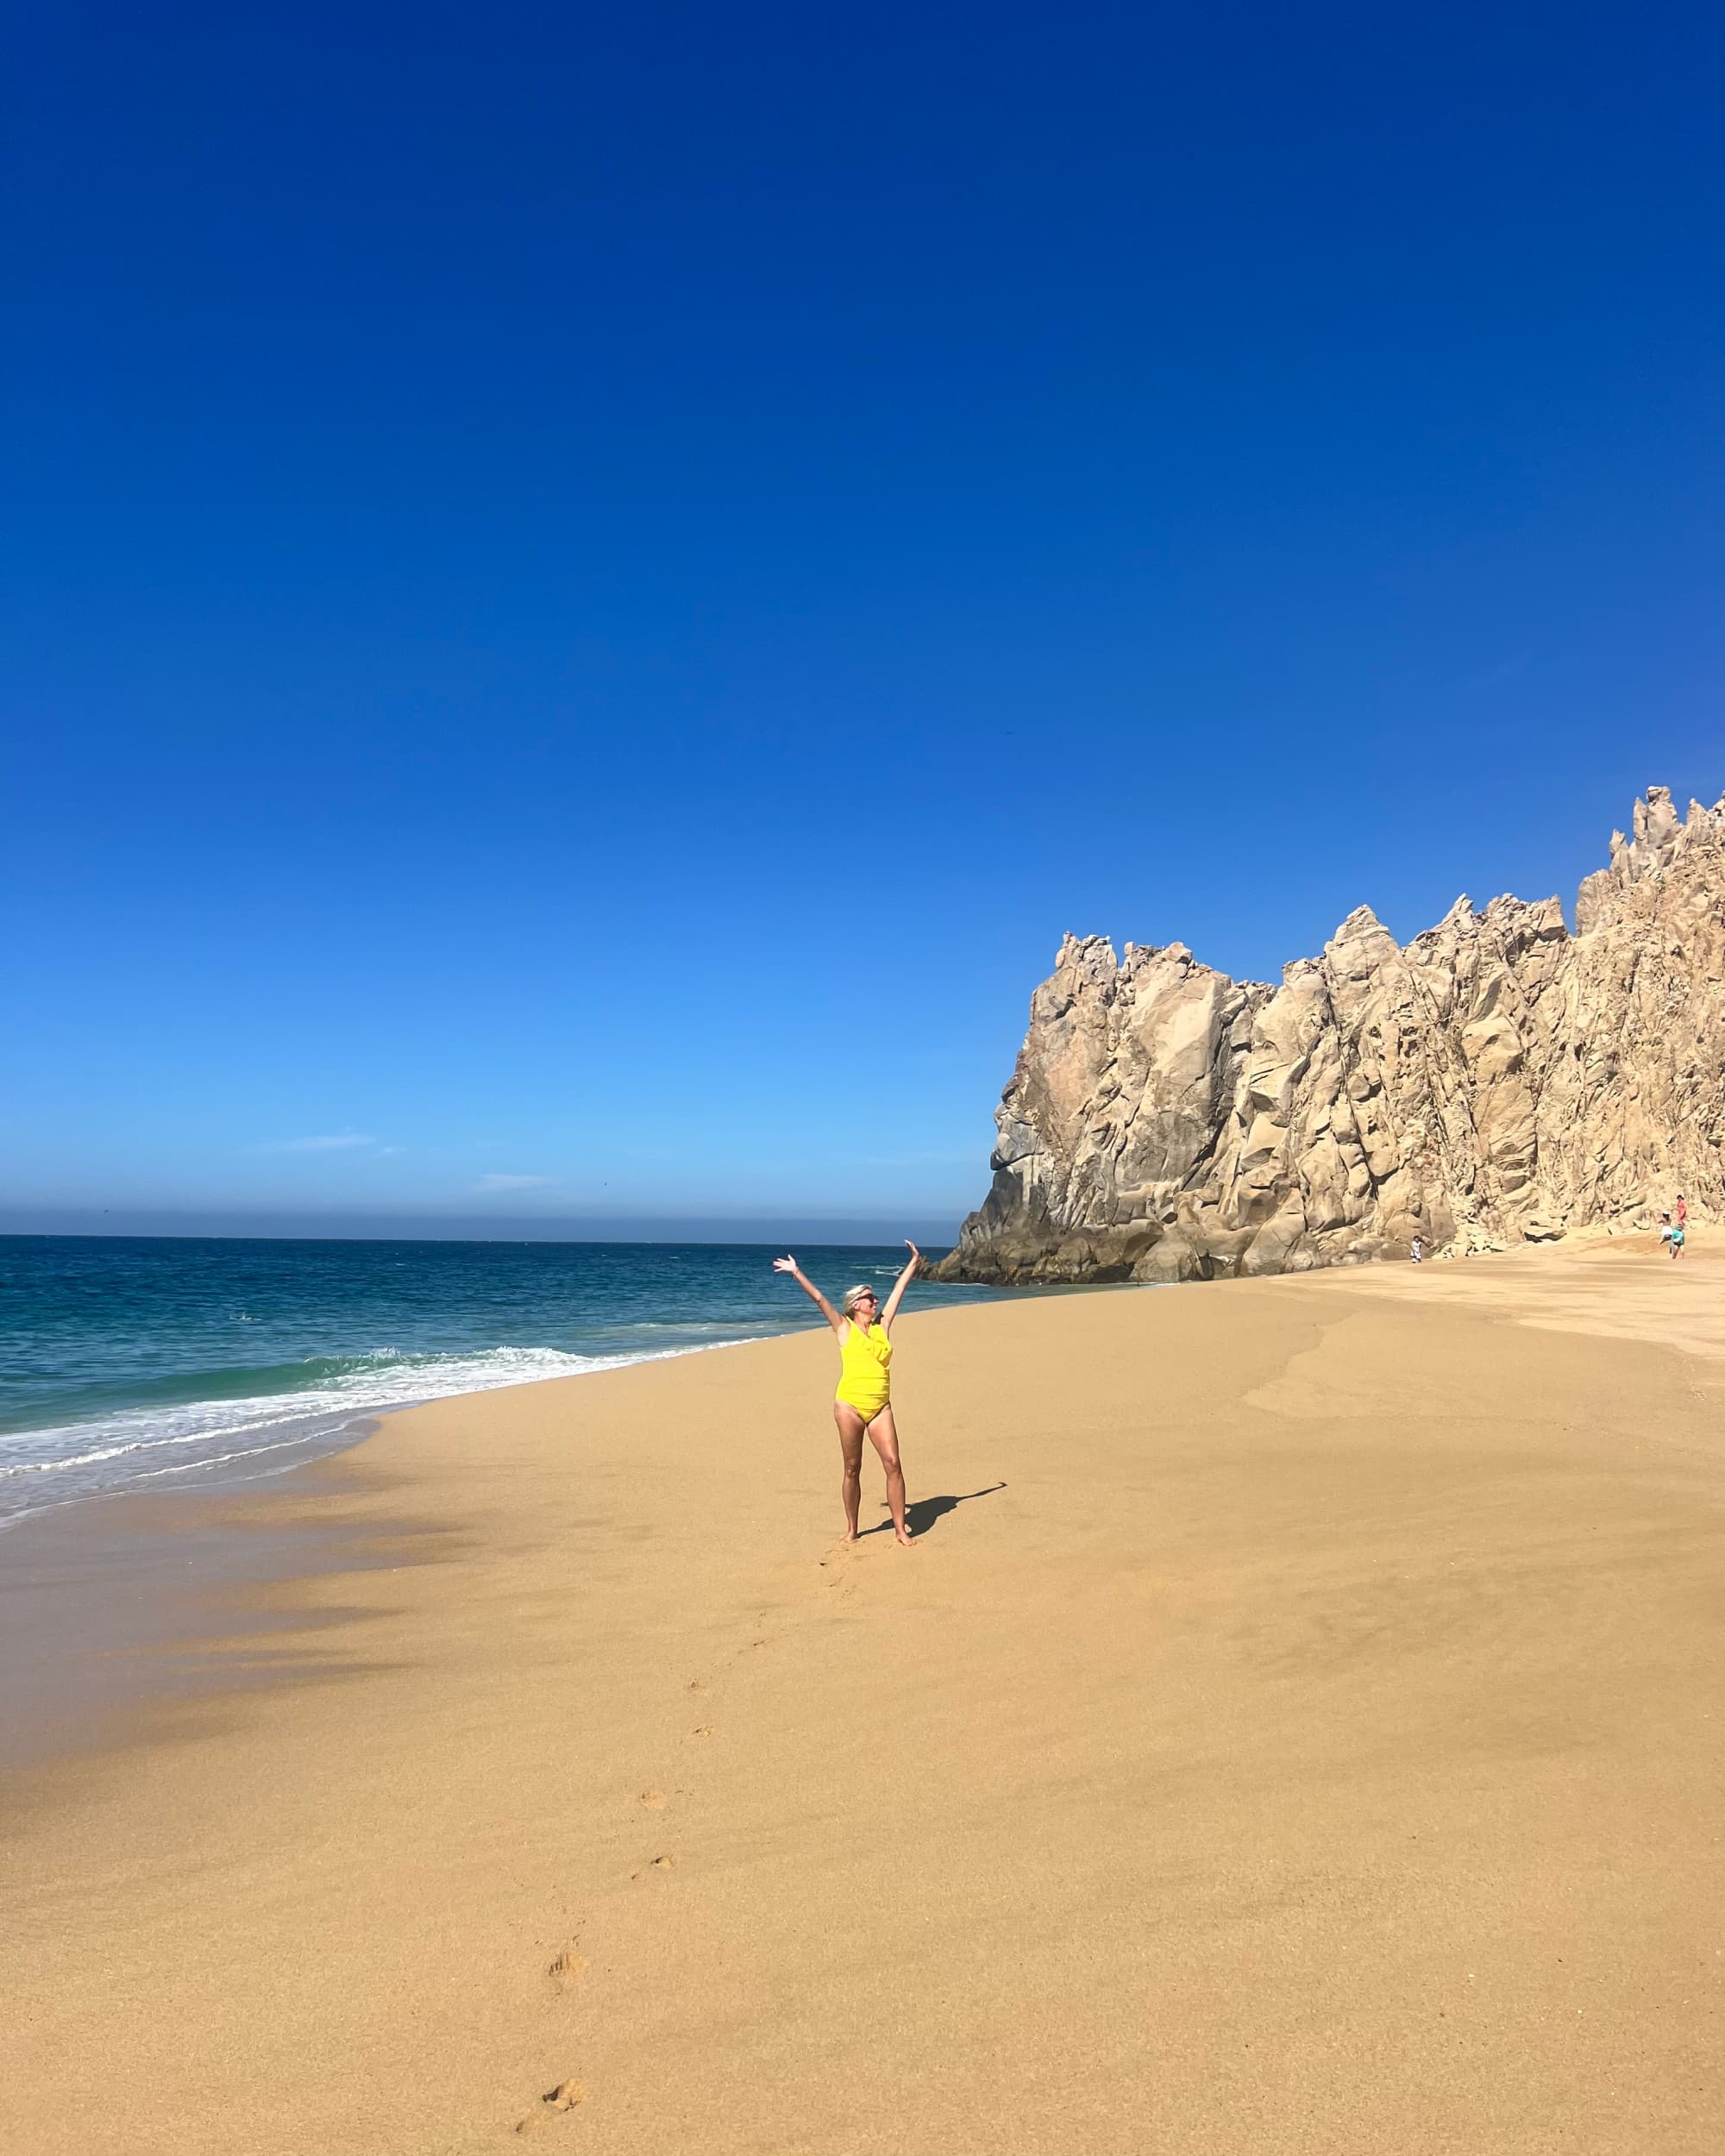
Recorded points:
(916, 1255)
(784, 1265)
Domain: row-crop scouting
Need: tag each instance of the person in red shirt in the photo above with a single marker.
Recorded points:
(1682, 1211)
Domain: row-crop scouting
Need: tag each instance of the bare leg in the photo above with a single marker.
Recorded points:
(883, 1435)
(850, 1426)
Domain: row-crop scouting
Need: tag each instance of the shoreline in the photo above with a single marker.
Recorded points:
(336, 1431)
(1295, 1728)
(99, 1623)
(145, 1367)
(94, 1580)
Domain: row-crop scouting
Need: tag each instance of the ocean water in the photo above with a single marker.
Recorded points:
(156, 1364)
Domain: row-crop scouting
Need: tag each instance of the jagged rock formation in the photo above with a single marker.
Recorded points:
(1499, 1080)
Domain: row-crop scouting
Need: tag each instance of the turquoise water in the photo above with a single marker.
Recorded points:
(154, 1364)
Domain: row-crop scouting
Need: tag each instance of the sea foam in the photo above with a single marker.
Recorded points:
(137, 1446)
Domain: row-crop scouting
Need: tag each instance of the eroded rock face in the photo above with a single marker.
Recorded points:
(1496, 1082)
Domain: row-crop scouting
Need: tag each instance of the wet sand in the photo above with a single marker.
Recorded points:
(1299, 1728)
(108, 1606)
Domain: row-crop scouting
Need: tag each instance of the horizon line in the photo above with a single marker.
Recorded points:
(188, 1223)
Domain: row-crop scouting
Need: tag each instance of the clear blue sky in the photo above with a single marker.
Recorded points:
(586, 593)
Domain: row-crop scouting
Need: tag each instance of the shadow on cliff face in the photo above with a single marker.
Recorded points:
(922, 1513)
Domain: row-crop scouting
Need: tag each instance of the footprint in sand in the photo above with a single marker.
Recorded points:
(567, 1967)
(659, 1864)
(839, 1565)
(564, 2098)
(699, 1685)
(654, 1800)
(705, 1730)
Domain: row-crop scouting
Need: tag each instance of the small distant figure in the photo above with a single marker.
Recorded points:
(1418, 1251)
(1682, 1211)
(1676, 1242)
(1665, 1230)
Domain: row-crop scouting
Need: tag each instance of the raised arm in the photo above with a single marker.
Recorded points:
(900, 1285)
(790, 1265)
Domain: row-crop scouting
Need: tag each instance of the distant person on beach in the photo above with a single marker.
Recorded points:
(863, 1405)
(1676, 1242)
(1682, 1211)
(1419, 1249)
(1665, 1231)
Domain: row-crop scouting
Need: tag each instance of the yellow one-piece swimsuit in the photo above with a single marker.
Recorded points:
(865, 1382)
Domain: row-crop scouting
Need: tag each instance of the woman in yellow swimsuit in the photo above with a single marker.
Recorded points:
(863, 1405)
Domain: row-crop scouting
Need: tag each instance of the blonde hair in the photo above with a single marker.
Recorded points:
(853, 1296)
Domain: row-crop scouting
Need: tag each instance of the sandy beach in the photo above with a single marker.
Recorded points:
(1299, 1728)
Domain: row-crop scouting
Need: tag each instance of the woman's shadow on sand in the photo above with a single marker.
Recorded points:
(921, 1513)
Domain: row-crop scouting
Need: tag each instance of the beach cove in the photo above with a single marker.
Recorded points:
(1299, 1728)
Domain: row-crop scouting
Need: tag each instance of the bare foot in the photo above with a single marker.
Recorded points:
(905, 1536)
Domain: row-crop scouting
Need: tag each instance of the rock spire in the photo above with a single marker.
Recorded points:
(1499, 1080)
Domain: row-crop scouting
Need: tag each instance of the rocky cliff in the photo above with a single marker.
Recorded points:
(1499, 1080)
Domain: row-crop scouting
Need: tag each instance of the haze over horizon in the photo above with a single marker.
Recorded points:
(588, 598)
(771, 1229)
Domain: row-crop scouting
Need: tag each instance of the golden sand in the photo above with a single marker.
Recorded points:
(1299, 1728)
